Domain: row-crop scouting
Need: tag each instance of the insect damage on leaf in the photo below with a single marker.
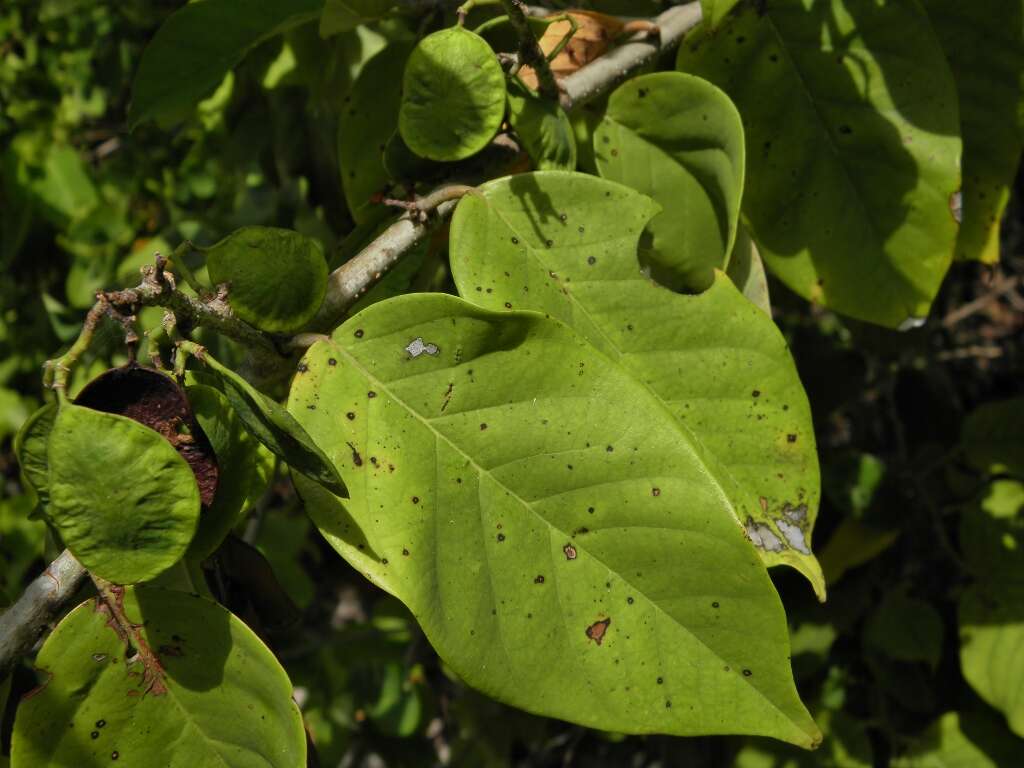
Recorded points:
(598, 629)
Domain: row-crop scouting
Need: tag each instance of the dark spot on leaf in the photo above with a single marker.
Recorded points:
(302, 367)
(714, 604)
(563, 217)
(331, 361)
(95, 734)
(570, 552)
(597, 630)
(515, 241)
(747, 673)
(114, 755)
(756, 393)
(591, 260)
(549, 243)
(359, 333)
(405, 553)
(845, 130)
(629, 600)
(655, 491)
(661, 680)
(356, 458)
(100, 723)
(415, 499)
(501, 537)
(668, 704)
(508, 305)
(609, 448)
(371, 394)
(590, 510)
(790, 438)
(483, 426)
(350, 416)
(538, 580)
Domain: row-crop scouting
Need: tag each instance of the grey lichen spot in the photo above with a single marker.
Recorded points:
(762, 536)
(418, 347)
(794, 535)
(795, 514)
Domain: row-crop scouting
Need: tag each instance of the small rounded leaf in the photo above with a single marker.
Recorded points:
(30, 447)
(199, 690)
(453, 96)
(276, 278)
(123, 500)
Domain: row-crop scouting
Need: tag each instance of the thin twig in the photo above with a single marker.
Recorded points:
(621, 62)
(351, 280)
(1002, 287)
(23, 623)
(530, 53)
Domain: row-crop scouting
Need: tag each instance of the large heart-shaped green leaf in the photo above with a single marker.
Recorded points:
(853, 147)
(678, 139)
(276, 278)
(453, 95)
(189, 685)
(123, 499)
(991, 631)
(984, 42)
(565, 244)
(198, 45)
(548, 522)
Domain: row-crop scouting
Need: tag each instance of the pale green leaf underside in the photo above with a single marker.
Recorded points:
(227, 702)
(515, 489)
(678, 139)
(853, 148)
(123, 500)
(565, 244)
(746, 270)
(984, 42)
(198, 45)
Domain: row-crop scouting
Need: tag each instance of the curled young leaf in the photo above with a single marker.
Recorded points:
(275, 278)
(123, 500)
(453, 96)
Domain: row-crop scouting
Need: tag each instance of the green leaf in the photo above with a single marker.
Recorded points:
(236, 459)
(678, 139)
(200, 690)
(746, 270)
(547, 521)
(852, 544)
(343, 15)
(274, 427)
(991, 632)
(565, 244)
(276, 278)
(124, 501)
(368, 117)
(993, 436)
(198, 45)
(30, 447)
(713, 11)
(544, 128)
(905, 629)
(853, 147)
(984, 42)
(964, 740)
(453, 95)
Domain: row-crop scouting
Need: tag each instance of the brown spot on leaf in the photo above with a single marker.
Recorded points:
(597, 630)
(570, 552)
(356, 458)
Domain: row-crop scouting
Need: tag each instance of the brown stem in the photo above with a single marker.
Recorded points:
(530, 53)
